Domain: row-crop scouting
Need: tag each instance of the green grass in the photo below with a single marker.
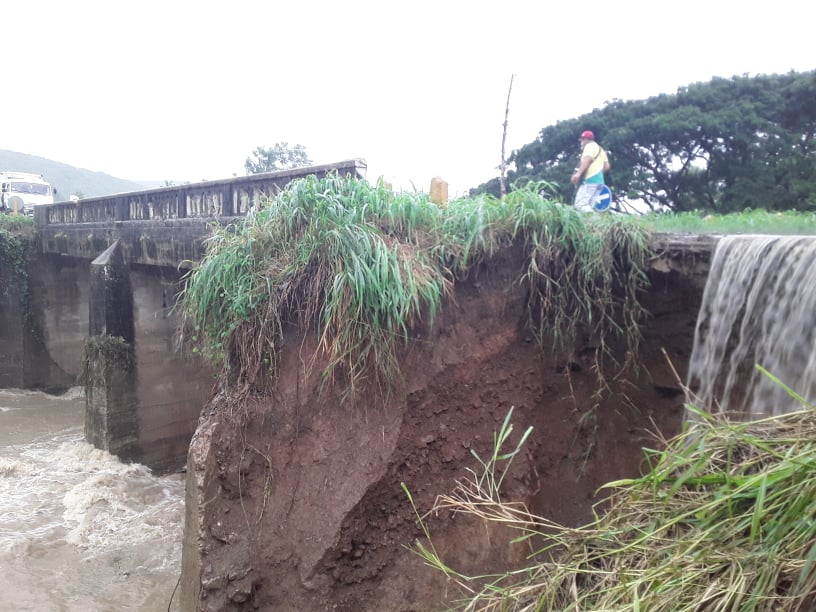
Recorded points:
(17, 224)
(722, 520)
(16, 236)
(363, 267)
(745, 222)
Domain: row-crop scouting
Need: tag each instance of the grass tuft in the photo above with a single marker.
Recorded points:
(748, 221)
(363, 266)
(723, 520)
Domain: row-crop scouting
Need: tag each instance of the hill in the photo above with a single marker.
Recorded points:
(68, 180)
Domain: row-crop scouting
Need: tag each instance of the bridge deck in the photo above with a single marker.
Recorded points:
(164, 226)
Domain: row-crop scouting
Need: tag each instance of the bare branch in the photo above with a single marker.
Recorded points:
(503, 166)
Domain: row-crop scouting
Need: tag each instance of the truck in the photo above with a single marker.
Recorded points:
(20, 192)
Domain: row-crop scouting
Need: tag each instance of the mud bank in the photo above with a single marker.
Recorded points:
(294, 500)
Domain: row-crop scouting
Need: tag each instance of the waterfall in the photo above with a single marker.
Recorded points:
(759, 307)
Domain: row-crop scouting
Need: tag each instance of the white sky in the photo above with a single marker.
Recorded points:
(185, 90)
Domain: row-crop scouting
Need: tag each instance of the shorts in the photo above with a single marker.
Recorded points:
(586, 196)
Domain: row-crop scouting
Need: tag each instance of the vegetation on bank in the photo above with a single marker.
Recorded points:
(16, 233)
(744, 222)
(362, 266)
(17, 224)
(723, 520)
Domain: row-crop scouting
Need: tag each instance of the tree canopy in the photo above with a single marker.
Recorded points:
(721, 146)
(279, 157)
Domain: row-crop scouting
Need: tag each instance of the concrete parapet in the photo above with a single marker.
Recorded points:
(210, 199)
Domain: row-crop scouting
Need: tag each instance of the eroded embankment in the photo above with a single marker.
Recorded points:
(294, 499)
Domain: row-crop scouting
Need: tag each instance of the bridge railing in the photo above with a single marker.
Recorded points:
(222, 198)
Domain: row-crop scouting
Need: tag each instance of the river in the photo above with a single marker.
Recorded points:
(79, 530)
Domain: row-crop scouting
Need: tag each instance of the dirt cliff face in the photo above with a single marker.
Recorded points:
(295, 501)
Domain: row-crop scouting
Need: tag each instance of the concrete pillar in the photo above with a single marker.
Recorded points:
(111, 420)
(41, 216)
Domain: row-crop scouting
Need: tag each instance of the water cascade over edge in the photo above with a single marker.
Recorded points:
(758, 308)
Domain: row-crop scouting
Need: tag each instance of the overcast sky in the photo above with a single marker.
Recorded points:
(185, 90)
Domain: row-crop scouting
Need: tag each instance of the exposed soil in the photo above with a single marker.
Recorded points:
(300, 507)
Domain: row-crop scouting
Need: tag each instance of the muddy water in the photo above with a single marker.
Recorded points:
(80, 531)
(759, 308)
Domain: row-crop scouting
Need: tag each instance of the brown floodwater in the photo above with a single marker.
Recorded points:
(79, 530)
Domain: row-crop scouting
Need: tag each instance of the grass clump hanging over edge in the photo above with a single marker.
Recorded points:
(583, 272)
(723, 520)
(363, 266)
(338, 256)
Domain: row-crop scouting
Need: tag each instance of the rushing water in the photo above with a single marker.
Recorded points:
(759, 307)
(79, 530)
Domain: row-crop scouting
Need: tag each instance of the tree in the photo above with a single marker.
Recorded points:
(279, 157)
(725, 145)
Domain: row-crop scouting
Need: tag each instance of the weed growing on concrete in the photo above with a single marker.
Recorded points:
(103, 355)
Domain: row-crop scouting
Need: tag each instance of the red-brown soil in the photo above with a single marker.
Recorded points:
(300, 507)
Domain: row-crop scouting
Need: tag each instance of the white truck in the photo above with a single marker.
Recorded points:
(20, 192)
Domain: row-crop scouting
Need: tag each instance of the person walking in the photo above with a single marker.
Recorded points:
(589, 176)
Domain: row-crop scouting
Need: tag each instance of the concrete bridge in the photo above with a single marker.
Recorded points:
(165, 226)
(110, 267)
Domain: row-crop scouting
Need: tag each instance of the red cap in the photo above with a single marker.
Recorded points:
(588, 134)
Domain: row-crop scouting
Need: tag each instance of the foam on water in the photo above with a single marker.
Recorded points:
(12, 467)
(74, 393)
(80, 530)
(758, 308)
(106, 507)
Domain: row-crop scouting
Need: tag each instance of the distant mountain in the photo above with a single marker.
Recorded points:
(68, 180)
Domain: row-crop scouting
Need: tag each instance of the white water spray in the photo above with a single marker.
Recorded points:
(79, 530)
(759, 308)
